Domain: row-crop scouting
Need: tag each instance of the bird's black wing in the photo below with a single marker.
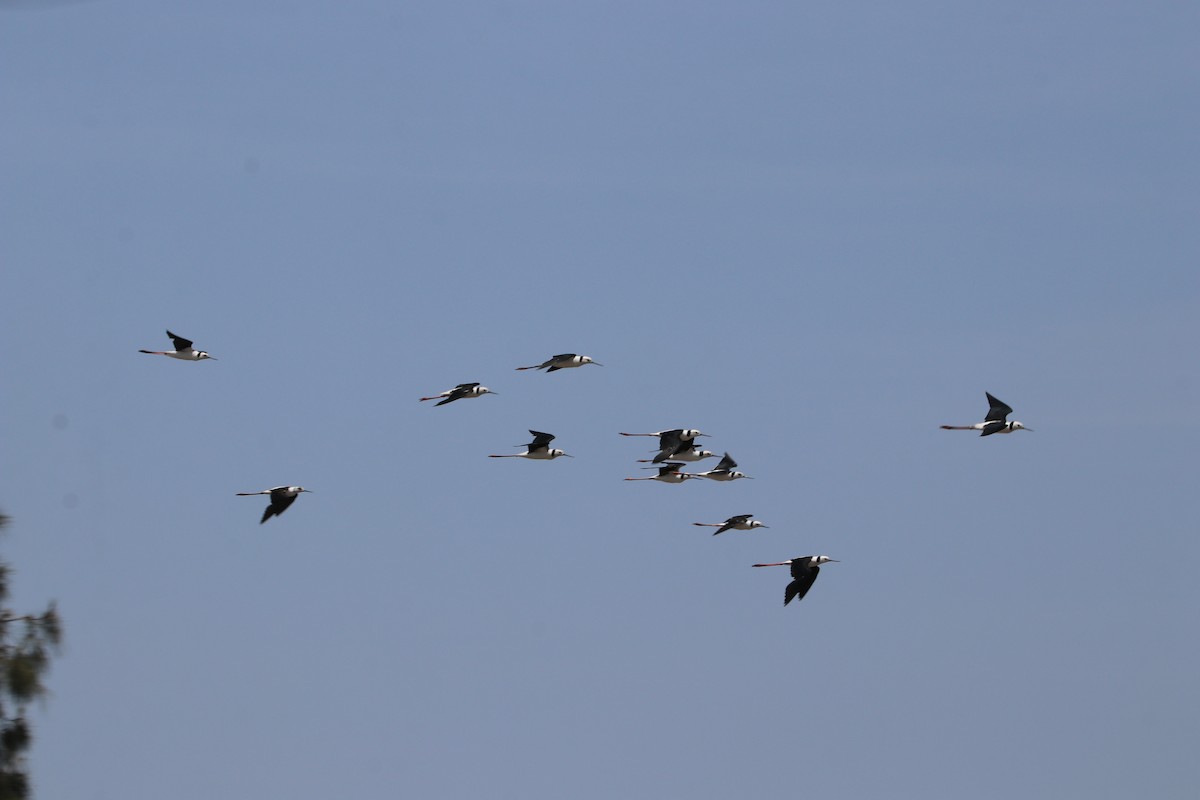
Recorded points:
(993, 427)
(684, 446)
(670, 443)
(540, 440)
(669, 467)
(997, 410)
(554, 361)
(727, 464)
(802, 583)
(457, 393)
(670, 438)
(740, 519)
(279, 504)
(181, 343)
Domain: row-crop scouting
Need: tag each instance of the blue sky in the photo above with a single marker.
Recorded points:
(815, 231)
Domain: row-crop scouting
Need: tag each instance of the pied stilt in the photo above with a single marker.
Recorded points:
(281, 498)
(723, 471)
(741, 522)
(804, 572)
(996, 420)
(459, 392)
(539, 448)
(183, 350)
(563, 361)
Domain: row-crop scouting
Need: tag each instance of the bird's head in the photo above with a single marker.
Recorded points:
(560, 454)
(1017, 426)
(587, 360)
(691, 433)
(819, 560)
(756, 524)
(201, 355)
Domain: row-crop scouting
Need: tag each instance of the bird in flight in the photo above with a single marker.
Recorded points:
(741, 522)
(723, 471)
(539, 448)
(459, 392)
(281, 498)
(996, 420)
(183, 350)
(804, 573)
(563, 361)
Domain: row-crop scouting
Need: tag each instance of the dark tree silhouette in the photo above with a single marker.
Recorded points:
(26, 644)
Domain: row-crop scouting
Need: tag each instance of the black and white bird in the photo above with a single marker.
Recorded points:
(539, 448)
(459, 392)
(281, 498)
(804, 572)
(563, 361)
(996, 420)
(723, 471)
(183, 350)
(667, 473)
(672, 443)
(741, 522)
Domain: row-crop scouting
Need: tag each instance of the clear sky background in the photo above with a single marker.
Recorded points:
(815, 231)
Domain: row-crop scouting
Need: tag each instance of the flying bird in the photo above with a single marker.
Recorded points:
(672, 443)
(183, 350)
(539, 448)
(563, 361)
(741, 522)
(804, 572)
(723, 471)
(281, 498)
(996, 420)
(667, 473)
(459, 392)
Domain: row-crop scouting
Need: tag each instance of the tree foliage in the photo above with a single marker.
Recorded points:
(26, 643)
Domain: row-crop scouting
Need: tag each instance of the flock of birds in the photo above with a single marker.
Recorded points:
(676, 448)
